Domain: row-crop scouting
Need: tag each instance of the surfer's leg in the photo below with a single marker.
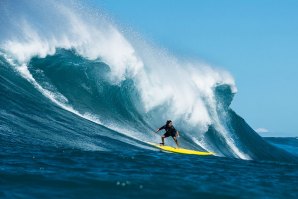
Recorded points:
(162, 140)
(176, 141)
(167, 134)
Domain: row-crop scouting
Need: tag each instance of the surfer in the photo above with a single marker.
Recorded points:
(170, 131)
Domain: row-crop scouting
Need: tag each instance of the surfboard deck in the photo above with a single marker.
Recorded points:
(180, 150)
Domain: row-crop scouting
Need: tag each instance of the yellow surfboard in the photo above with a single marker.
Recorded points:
(180, 150)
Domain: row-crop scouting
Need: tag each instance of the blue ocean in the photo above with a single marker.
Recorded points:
(80, 97)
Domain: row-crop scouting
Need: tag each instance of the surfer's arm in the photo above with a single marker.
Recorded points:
(159, 129)
(178, 135)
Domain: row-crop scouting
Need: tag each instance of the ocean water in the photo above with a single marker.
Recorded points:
(80, 97)
(134, 173)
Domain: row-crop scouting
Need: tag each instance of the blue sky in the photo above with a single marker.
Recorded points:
(256, 40)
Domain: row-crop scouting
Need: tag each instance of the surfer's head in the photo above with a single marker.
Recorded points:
(169, 123)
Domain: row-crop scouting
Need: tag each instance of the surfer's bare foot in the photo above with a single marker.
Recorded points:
(162, 144)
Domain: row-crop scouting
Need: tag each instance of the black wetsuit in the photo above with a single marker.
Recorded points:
(170, 131)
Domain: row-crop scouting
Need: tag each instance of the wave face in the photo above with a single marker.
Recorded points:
(70, 77)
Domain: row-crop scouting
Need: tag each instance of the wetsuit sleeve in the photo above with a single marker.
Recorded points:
(163, 127)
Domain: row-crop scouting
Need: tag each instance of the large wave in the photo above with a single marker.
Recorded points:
(84, 64)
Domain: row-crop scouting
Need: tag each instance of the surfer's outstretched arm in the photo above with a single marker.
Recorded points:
(157, 131)
(163, 127)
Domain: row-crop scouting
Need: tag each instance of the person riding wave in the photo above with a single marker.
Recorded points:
(170, 131)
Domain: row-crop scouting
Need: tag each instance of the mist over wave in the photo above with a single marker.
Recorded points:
(84, 64)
